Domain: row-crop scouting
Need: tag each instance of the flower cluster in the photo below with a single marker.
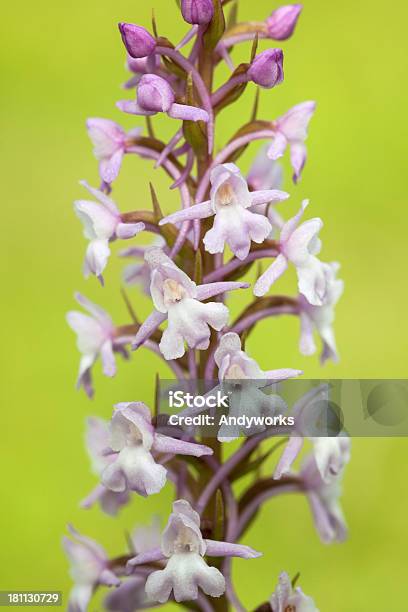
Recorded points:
(185, 272)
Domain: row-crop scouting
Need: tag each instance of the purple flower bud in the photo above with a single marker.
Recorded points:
(137, 40)
(155, 94)
(267, 68)
(197, 12)
(282, 22)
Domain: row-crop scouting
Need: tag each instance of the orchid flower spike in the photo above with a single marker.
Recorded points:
(179, 300)
(131, 444)
(291, 129)
(286, 598)
(331, 453)
(155, 95)
(324, 500)
(97, 441)
(89, 568)
(96, 336)
(321, 318)
(299, 245)
(102, 223)
(110, 142)
(234, 224)
(183, 548)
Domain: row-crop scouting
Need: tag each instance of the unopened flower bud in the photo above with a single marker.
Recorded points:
(282, 22)
(137, 40)
(267, 68)
(197, 12)
(155, 94)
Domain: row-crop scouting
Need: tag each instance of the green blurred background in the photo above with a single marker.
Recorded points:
(64, 62)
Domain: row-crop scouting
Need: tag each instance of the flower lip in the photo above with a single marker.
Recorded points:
(137, 40)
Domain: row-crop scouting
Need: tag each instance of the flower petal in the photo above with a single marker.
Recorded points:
(149, 556)
(183, 574)
(297, 247)
(268, 195)
(292, 450)
(135, 469)
(188, 113)
(312, 281)
(282, 374)
(228, 186)
(277, 147)
(265, 173)
(97, 440)
(226, 549)
(295, 122)
(297, 159)
(102, 198)
(96, 311)
(108, 359)
(79, 598)
(98, 222)
(204, 292)
(215, 239)
(153, 321)
(307, 345)
(96, 258)
(108, 578)
(166, 444)
(197, 211)
(133, 108)
(172, 344)
(128, 230)
(109, 168)
(266, 280)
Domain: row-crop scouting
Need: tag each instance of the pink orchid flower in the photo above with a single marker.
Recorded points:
(102, 223)
(291, 129)
(110, 142)
(183, 548)
(299, 245)
(179, 300)
(132, 441)
(89, 568)
(232, 204)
